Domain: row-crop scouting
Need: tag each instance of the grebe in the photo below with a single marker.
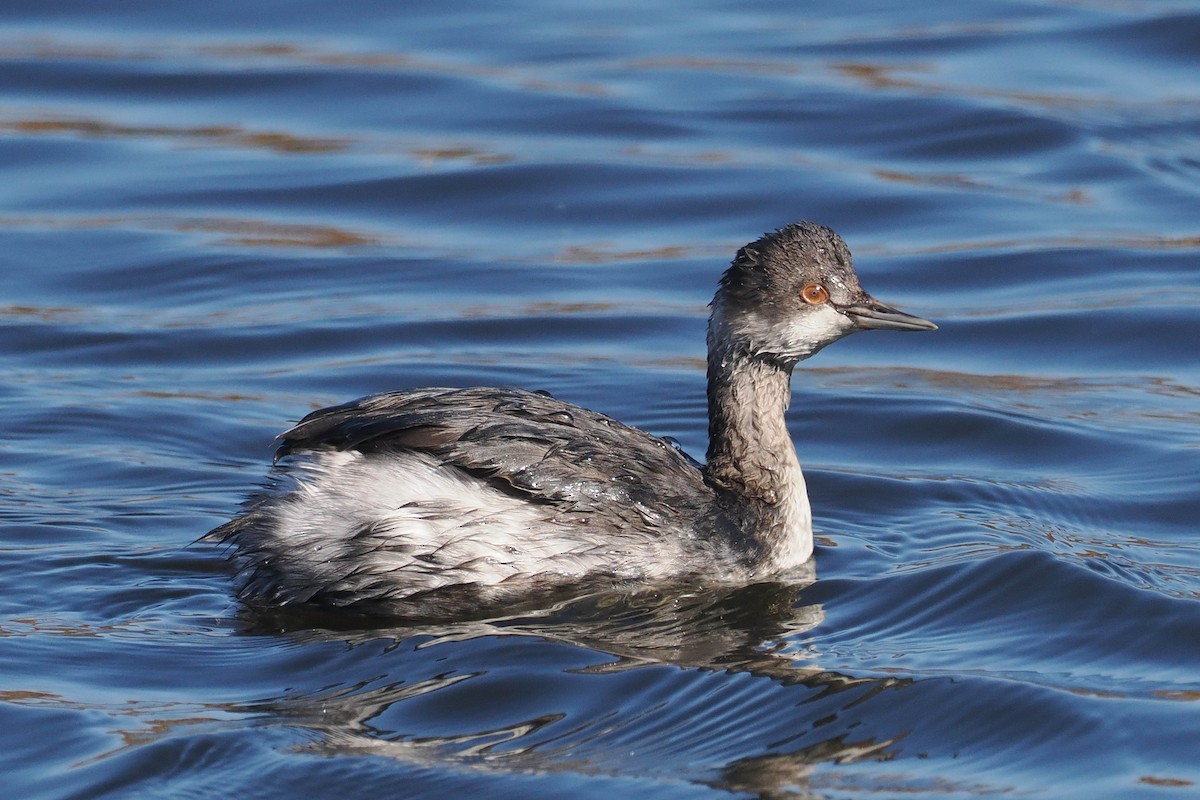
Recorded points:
(454, 500)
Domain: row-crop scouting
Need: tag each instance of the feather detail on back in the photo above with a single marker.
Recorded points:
(522, 441)
(407, 500)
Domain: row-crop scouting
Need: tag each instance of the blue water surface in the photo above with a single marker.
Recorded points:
(217, 217)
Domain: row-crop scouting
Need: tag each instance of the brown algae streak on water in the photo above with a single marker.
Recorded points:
(479, 157)
(223, 135)
(274, 234)
(886, 77)
(241, 53)
(600, 254)
(233, 136)
(727, 65)
(890, 77)
(312, 56)
(955, 181)
(251, 232)
(1153, 780)
(1099, 241)
(59, 315)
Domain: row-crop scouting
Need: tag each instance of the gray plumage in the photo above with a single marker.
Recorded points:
(446, 501)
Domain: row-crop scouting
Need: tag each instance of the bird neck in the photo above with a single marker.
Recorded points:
(751, 459)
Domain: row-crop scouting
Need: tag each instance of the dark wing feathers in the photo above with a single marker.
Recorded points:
(526, 441)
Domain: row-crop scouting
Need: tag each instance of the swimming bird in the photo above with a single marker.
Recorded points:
(443, 501)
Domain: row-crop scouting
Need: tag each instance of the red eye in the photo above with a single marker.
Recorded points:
(814, 294)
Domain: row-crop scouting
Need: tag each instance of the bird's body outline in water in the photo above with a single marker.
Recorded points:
(445, 501)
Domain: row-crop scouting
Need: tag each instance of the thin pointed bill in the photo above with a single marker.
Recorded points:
(870, 314)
